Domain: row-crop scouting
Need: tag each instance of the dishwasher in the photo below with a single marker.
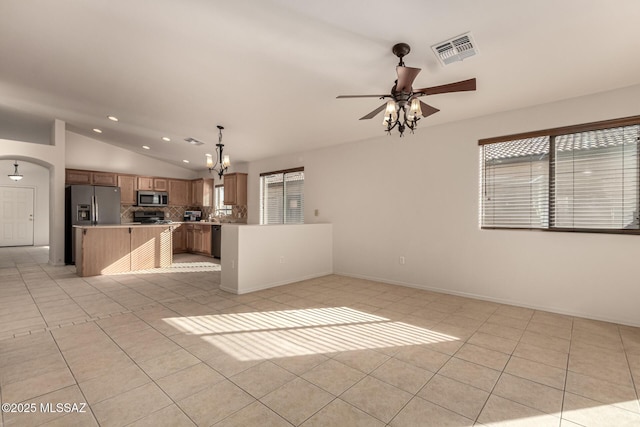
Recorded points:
(216, 237)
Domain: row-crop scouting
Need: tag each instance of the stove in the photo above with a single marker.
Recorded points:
(150, 217)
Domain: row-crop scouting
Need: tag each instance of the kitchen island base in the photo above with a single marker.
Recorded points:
(111, 249)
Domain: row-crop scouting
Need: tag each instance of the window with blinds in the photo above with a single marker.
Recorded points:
(282, 197)
(596, 179)
(579, 178)
(515, 183)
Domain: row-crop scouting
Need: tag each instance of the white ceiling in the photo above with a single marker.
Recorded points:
(270, 70)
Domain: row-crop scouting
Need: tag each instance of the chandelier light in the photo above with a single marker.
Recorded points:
(222, 161)
(15, 176)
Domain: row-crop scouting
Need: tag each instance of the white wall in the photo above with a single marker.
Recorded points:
(259, 257)
(87, 153)
(50, 157)
(417, 197)
(36, 177)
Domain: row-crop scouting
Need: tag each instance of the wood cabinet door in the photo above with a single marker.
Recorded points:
(127, 184)
(196, 187)
(74, 176)
(104, 178)
(159, 184)
(179, 239)
(178, 192)
(205, 247)
(190, 237)
(230, 189)
(145, 183)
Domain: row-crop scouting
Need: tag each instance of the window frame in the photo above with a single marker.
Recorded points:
(552, 133)
(282, 172)
(219, 207)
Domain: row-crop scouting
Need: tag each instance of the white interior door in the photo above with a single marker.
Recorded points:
(16, 216)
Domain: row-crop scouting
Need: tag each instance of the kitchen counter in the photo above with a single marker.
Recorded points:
(126, 225)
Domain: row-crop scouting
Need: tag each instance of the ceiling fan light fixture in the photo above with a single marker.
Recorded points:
(390, 113)
(415, 111)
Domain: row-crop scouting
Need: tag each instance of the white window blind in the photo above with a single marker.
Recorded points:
(595, 182)
(282, 197)
(515, 183)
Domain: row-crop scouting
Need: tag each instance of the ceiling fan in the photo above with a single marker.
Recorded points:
(404, 99)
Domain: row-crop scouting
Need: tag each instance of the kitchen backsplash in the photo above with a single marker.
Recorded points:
(176, 213)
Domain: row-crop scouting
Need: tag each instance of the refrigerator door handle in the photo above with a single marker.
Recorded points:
(97, 218)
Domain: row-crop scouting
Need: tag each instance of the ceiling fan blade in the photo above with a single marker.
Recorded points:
(374, 113)
(406, 76)
(363, 96)
(427, 109)
(461, 86)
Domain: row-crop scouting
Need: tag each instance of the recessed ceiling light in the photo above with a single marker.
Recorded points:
(113, 118)
(146, 147)
(186, 161)
(166, 138)
(96, 130)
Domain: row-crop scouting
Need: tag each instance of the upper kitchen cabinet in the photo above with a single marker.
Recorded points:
(127, 184)
(179, 194)
(83, 177)
(145, 183)
(150, 183)
(235, 189)
(160, 184)
(202, 192)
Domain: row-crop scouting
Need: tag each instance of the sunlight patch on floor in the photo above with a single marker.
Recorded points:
(287, 333)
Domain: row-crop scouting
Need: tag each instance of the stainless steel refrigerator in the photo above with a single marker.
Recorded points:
(88, 205)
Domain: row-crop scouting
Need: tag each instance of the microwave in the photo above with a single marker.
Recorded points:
(152, 198)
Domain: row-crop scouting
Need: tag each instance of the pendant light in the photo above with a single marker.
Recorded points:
(15, 176)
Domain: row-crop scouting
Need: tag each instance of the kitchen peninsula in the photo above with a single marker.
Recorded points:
(108, 249)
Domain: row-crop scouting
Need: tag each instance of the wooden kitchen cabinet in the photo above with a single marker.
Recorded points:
(127, 184)
(198, 238)
(159, 184)
(235, 189)
(179, 194)
(180, 239)
(84, 177)
(104, 178)
(205, 242)
(145, 183)
(202, 192)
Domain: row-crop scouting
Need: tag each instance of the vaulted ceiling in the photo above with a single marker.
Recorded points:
(269, 71)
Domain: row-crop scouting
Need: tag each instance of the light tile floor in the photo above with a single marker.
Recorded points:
(170, 348)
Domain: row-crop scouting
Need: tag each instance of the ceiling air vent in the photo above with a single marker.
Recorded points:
(455, 49)
(194, 141)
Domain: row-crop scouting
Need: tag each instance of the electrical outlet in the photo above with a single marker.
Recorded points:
(401, 260)
(316, 212)
(281, 260)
